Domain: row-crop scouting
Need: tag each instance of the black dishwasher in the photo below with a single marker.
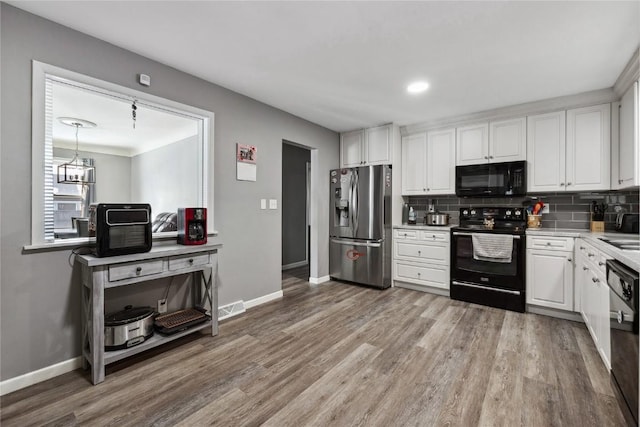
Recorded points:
(623, 326)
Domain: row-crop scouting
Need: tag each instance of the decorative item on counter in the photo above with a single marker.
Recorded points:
(412, 216)
(489, 223)
(534, 217)
(597, 216)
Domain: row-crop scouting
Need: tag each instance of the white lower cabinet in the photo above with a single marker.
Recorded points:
(550, 272)
(421, 257)
(591, 280)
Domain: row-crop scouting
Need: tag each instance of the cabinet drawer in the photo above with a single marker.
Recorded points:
(434, 236)
(186, 261)
(550, 243)
(430, 275)
(406, 234)
(436, 253)
(134, 269)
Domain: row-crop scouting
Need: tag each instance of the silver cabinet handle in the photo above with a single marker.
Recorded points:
(486, 157)
(491, 157)
(419, 252)
(585, 268)
(568, 183)
(548, 243)
(595, 280)
(582, 248)
(418, 274)
(600, 263)
(569, 259)
(562, 184)
(590, 254)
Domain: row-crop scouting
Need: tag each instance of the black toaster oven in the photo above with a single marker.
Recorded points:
(122, 228)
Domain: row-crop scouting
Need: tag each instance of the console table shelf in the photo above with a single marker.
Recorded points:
(164, 260)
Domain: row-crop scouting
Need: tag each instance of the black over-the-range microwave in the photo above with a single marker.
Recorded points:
(492, 180)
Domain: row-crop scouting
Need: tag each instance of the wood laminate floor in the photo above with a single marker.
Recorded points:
(343, 355)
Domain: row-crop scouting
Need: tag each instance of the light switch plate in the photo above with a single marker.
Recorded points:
(273, 203)
(545, 209)
(263, 203)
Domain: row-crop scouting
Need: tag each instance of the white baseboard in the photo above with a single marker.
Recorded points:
(263, 299)
(318, 280)
(421, 288)
(551, 312)
(294, 265)
(31, 378)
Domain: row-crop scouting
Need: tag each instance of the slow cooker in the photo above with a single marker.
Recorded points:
(128, 327)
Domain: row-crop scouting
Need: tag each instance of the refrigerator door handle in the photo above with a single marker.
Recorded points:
(357, 243)
(356, 206)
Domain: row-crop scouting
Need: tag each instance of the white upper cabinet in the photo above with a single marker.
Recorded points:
(351, 147)
(571, 155)
(414, 164)
(472, 144)
(428, 163)
(508, 140)
(495, 142)
(441, 162)
(546, 145)
(366, 147)
(628, 163)
(588, 148)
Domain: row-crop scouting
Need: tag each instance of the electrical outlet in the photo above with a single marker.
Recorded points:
(162, 306)
(545, 209)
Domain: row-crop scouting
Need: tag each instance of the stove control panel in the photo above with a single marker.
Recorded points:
(497, 213)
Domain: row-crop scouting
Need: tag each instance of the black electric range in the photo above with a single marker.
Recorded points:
(485, 270)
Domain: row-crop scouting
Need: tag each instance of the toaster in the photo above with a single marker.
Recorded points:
(627, 223)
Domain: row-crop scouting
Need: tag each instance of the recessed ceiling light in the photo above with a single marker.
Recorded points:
(417, 87)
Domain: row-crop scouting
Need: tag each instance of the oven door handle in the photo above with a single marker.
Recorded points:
(506, 291)
(458, 233)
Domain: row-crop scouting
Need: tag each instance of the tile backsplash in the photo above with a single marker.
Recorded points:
(566, 210)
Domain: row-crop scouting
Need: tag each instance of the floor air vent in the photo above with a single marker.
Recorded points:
(231, 310)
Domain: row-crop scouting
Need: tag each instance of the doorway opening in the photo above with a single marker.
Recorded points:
(296, 213)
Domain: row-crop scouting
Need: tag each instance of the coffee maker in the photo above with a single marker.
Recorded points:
(192, 226)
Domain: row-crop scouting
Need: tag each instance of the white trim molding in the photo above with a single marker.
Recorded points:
(630, 74)
(319, 280)
(31, 378)
(585, 99)
(263, 299)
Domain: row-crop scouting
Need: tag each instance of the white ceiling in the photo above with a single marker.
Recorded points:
(114, 132)
(345, 65)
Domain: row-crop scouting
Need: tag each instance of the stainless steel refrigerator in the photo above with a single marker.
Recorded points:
(360, 225)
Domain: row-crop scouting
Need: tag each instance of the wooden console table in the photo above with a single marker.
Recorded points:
(164, 260)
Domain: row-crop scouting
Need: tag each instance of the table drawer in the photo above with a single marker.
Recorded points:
(187, 261)
(134, 269)
(405, 234)
(550, 243)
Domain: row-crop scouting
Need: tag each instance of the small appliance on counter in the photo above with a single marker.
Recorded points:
(122, 229)
(129, 327)
(192, 226)
(627, 223)
(436, 218)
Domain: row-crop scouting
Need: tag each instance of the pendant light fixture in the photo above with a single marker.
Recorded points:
(76, 171)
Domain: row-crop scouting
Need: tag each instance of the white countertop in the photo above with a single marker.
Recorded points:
(629, 258)
(425, 227)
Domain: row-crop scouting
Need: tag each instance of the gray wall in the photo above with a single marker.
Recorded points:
(294, 203)
(170, 166)
(40, 305)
